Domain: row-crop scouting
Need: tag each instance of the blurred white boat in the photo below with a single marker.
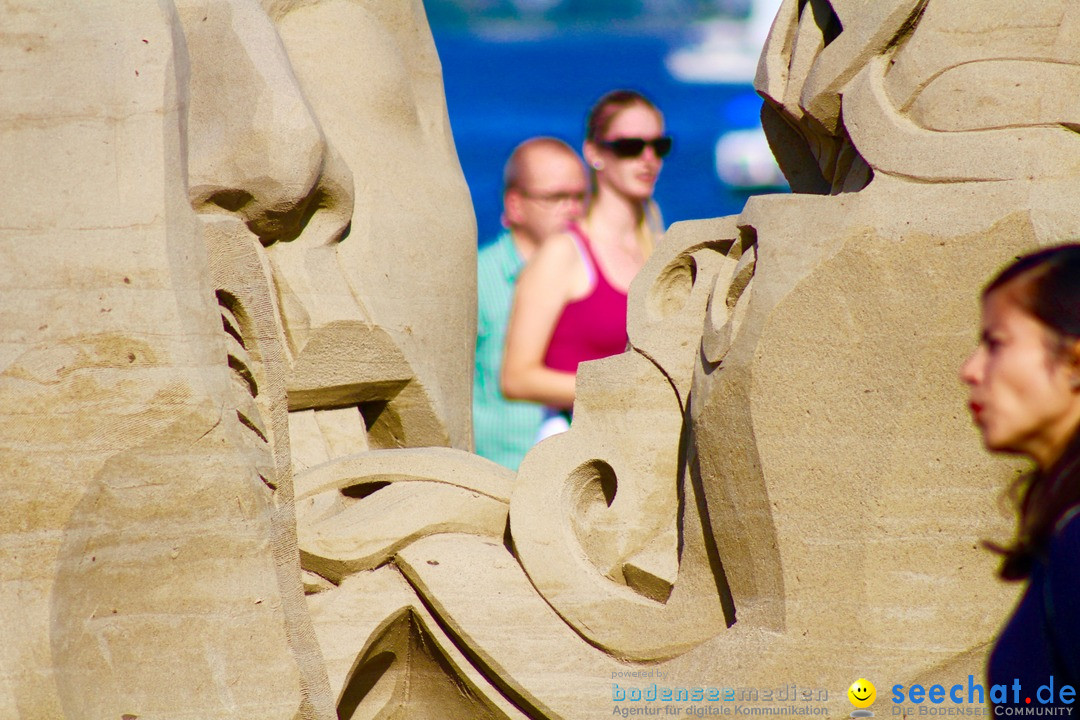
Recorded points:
(726, 51)
(745, 161)
(535, 7)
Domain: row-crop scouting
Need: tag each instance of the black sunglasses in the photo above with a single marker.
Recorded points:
(632, 147)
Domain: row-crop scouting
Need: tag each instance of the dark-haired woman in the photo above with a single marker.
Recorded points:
(570, 302)
(1025, 398)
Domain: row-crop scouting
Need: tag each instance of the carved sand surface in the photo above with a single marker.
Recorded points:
(213, 215)
(237, 311)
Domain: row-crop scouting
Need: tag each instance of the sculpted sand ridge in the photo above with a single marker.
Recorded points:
(237, 281)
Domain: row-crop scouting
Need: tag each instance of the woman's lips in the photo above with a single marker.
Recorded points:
(976, 409)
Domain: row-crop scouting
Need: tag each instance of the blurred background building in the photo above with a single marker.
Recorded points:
(518, 68)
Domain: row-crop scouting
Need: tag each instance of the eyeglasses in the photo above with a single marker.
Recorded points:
(632, 147)
(554, 198)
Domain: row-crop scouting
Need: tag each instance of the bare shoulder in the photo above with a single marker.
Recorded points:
(555, 271)
(559, 253)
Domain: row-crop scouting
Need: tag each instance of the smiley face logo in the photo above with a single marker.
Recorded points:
(862, 693)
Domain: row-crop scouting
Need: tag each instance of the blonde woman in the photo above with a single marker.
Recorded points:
(570, 302)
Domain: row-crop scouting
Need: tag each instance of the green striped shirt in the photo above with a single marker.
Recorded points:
(504, 430)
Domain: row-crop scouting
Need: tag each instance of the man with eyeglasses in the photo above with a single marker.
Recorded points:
(544, 190)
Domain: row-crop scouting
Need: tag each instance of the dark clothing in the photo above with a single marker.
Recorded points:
(1042, 639)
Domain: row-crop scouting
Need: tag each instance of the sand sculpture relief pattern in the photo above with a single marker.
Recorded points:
(237, 323)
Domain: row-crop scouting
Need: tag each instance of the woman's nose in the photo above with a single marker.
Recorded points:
(971, 370)
(255, 149)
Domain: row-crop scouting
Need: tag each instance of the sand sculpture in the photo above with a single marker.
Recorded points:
(213, 213)
(225, 284)
(776, 488)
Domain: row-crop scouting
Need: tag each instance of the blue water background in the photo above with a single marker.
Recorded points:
(502, 90)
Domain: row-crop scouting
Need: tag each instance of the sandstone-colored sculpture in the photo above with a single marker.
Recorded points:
(777, 484)
(236, 269)
(195, 281)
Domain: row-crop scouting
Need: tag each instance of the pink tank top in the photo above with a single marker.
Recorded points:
(593, 327)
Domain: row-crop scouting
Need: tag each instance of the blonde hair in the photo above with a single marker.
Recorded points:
(651, 228)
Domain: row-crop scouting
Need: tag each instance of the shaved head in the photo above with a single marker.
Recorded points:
(545, 189)
(519, 164)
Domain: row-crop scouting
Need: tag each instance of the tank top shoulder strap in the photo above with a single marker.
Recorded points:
(596, 272)
(592, 269)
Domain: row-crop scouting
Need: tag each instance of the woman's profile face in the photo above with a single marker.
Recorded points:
(1023, 397)
(634, 177)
